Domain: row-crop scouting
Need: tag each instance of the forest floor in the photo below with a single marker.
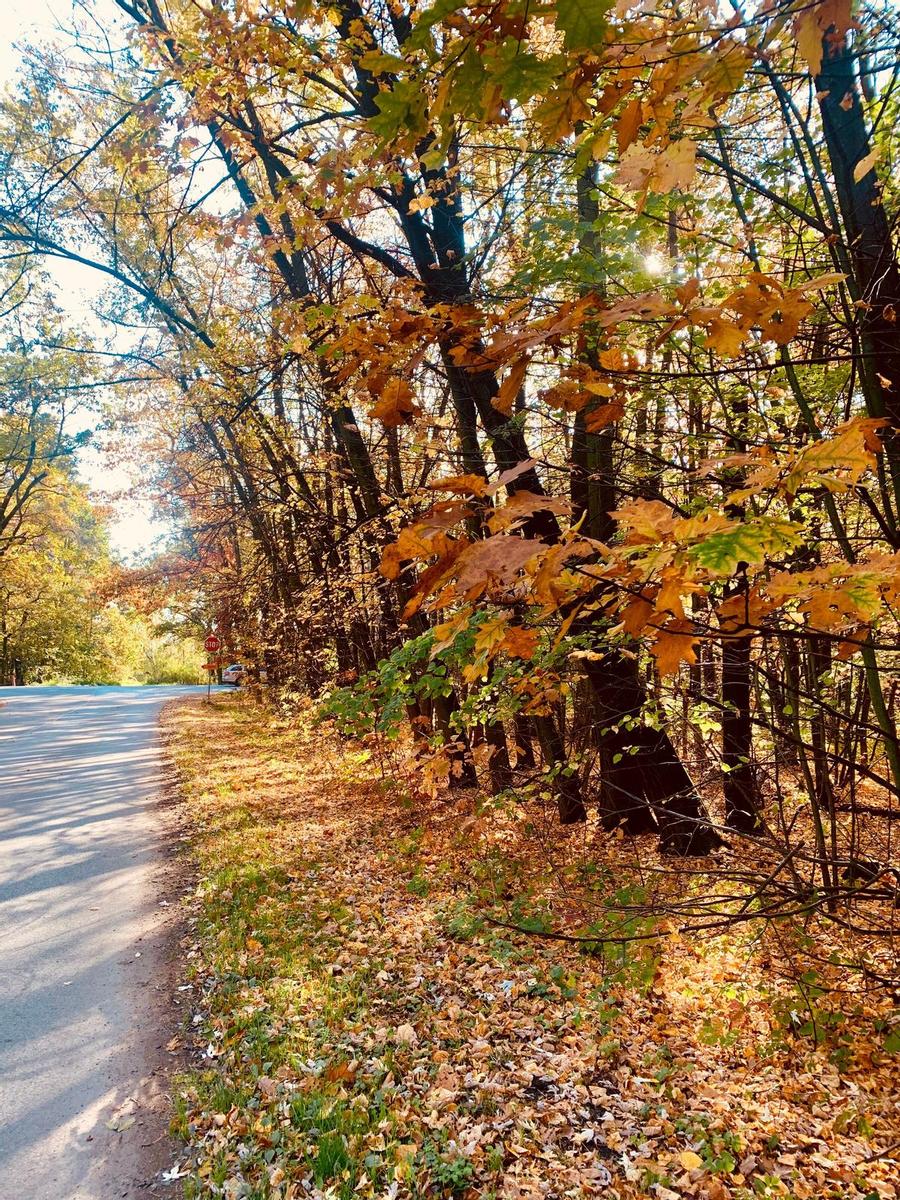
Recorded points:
(361, 1029)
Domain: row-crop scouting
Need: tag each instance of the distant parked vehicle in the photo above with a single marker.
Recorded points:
(233, 674)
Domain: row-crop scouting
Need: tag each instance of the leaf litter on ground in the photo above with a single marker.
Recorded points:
(361, 1030)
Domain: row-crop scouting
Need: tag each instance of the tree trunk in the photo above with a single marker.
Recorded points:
(868, 236)
(462, 769)
(525, 759)
(645, 785)
(567, 786)
(737, 736)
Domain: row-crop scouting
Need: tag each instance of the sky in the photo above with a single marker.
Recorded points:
(134, 529)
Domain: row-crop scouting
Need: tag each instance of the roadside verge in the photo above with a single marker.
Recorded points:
(362, 1030)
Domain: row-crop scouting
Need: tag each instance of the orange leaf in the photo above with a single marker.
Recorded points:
(520, 642)
(628, 125)
(474, 485)
(672, 648)
(510, 387)
(522, 505)
(395, 406)
(598, 418)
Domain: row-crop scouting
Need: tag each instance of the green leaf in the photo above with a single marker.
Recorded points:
(428, 19)
(751, 542)
(892, 1042)
(400, 108)
(469, 80)
(583, 22)
(518, 74)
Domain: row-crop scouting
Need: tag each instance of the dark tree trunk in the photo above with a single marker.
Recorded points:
(525, 759)
(498, 764)
(741, 805)
(567, 786)
(462, 769)
(818, 662)
(645, 785)
(868, 236)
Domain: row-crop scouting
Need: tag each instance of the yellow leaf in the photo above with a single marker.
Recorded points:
(689, 1160)
(865, 165)
(809, 39)
(724, 337)
(395, 406)
(474, 485)
(635, 167)
(675, 167)
(821, 282)
(510, 387)
(420, 203)
(600, 387)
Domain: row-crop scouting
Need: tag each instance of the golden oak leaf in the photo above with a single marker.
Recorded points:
(552, 584)
(688, 290)
(395, 405)
(668, 598)
(520, 642)
(434, 575)
(740, 615)
(409, 544)
(837, 462)
(724, 337)
(447, 632)
(628, 125)
(473, 485)
(672, 647)
(636, 615)
(491, 634)
(649, 520)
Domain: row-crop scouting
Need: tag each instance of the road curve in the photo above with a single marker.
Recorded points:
(80, 997)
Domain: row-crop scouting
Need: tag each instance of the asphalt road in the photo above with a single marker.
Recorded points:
(81, 1000)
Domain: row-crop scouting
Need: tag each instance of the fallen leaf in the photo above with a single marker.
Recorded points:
(689, 1160)
(120, 1124)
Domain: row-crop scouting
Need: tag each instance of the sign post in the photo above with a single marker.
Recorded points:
(211, 646)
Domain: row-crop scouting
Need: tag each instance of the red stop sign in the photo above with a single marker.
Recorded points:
(212, 643)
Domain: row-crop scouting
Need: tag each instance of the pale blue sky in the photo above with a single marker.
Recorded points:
(135, 529)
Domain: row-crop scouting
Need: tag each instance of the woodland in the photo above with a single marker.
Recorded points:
(523, 383)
